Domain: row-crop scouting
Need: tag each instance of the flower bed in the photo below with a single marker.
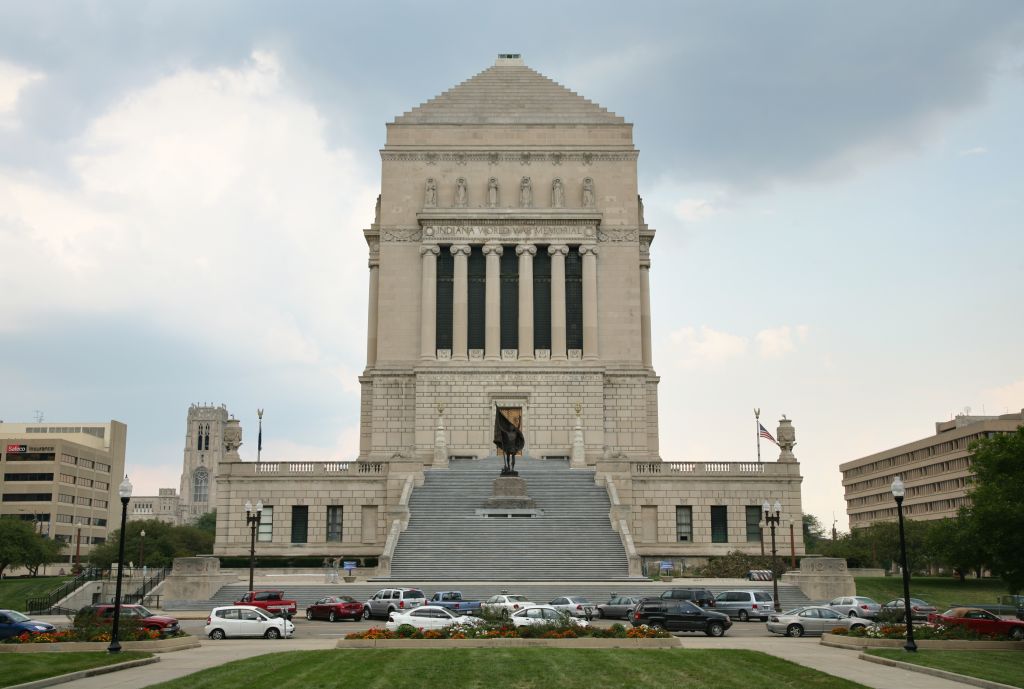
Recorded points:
(505, 630)
(168, 645)
(922, 632)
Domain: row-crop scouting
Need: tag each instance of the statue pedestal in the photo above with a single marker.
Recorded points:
(509, 499)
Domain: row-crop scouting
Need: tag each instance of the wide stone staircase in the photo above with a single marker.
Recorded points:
(570, 539)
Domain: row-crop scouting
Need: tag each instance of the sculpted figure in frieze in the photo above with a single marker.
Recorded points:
(492, 192)
(430, 194)
(461, 193)
(526, 193)
(557, 194)
(588, 192)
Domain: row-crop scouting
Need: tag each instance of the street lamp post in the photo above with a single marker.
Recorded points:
(252, 519)
(792, 547)
(125, 491)
(78, 547)
(142, 564)
(898, 491)
(772, 521)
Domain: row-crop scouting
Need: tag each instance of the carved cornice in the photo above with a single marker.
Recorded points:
(511, 231)
(617, 234)
(495, 157)
(401, 234)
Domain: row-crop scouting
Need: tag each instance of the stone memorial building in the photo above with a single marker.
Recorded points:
(508, 268)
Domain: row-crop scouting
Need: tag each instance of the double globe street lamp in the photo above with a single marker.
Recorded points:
(772, 521)
(898, 491)
(125, 491)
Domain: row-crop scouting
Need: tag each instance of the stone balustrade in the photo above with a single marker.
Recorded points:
(640, 469)
(357, 468)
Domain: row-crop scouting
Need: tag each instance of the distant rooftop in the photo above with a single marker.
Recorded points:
(509, 93)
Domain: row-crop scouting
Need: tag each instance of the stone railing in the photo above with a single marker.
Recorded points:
(708, 468)
(356, 468)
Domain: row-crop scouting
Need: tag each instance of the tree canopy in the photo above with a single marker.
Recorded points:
(998, 487)
(21, 546)
(163, 543)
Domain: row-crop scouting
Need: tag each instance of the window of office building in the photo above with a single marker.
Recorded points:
(719, 524)
(200, 485)
(477, 296)
(265, 532)
(334, 517)
(509, 298)
(542, 299)
(445, 292)
(300, 524)
(684, 523)
(574, 299)
(753, 524)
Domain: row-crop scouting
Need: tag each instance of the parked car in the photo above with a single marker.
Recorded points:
(618, 607)
(679, 616)
(919, 610)
(428, 617)
(981, 621)
(387, 601)
(545, 614)
(246, 620)
(856, 606)
(745, 604)
(14, 623)
(577, 606)
(453, 600)
(702, 597)
(811, 620)
(334, 608)
(271, 600)
(505, 604)
(167, 626)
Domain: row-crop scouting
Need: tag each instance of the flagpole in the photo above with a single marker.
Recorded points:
(259, 441)
(757, 432)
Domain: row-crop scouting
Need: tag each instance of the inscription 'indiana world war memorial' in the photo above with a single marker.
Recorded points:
(509, 269)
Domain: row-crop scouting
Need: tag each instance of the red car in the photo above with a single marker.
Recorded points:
(167, 626)
(334, 608)
(981, 621)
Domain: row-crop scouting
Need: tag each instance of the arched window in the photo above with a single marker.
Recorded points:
(199, 437)
(200, 485)
(206, 444)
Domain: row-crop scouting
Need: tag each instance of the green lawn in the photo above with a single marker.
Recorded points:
(518, 668)
(941, 592)
(997, 666)
(28, 667)
(13, 592)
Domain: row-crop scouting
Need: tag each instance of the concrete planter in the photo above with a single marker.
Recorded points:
(841, 641)
(154, 646)
(583, 642)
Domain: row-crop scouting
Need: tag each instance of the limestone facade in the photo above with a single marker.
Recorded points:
(508, 264)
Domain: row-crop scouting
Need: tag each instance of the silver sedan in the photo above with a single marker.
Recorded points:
(810, 620)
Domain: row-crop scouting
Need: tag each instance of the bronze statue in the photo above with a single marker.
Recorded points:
(508, 437)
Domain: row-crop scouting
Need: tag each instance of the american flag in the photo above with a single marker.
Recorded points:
(765, 434)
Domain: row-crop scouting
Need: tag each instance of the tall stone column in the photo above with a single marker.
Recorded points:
(645, 312)
(492, 303)
(371, 319)
(460, 303)
(589, 254)
(526, 252)
(558, 252)
(428, 303)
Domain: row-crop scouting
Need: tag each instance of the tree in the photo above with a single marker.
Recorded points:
(207, 522)
(998, 486)
(814, 533)
(21, 546)
(164, 542)
(956, 544)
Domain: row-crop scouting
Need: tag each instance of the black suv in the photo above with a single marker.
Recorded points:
(679, 616)
(702, 597)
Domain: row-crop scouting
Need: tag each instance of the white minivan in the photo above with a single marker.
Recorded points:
(232, 621)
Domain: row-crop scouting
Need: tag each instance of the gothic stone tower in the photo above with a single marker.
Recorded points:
(509, 265)
(204, 449)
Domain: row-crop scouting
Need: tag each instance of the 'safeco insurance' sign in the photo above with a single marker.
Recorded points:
(16, 449)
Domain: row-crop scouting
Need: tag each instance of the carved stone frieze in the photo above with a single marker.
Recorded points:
(575, 354)
(476, 355)
(511, 230)
(509, 354)
(444, 355)
(401, 234)
(617, 234)
(495, 157)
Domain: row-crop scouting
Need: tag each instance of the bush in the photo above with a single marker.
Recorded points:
(736, 564)
(921, 631)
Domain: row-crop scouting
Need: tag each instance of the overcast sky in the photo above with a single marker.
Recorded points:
(836, 189)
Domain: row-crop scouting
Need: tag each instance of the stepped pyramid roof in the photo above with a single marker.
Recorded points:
(509, 93)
